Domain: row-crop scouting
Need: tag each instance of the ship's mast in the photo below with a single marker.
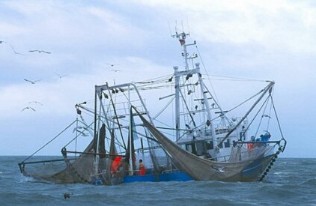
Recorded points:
(182, 39)
(97, 133)
(206, 104)
(182, 36)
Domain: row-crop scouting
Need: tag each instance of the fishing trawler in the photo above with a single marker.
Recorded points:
(174, 125)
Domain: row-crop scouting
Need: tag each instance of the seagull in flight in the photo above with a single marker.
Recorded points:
(29, 108)
(60, 75)
(32, 82)
(14, 51)
(111, 64)
(36, 102)
(40, 51)
(77, 129)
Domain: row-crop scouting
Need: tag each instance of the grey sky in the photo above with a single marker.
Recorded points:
(273, 40)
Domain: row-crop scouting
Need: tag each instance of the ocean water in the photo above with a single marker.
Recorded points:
(290, 182)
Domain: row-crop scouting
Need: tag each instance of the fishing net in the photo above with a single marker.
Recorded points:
(205, 169)
(71, 169)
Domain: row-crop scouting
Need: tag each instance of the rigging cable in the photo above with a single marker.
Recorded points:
(264, 103)
(119, 125)
(276, 115)
(269, 116)
(49, 141)
(75, 137)
(159, 113)
(202, 62)
(246, 101)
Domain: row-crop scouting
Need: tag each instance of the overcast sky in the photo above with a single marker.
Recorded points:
(89, 40)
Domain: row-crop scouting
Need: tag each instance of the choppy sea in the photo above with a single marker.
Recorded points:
(290, 182)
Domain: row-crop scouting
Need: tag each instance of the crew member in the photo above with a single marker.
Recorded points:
(142, 169)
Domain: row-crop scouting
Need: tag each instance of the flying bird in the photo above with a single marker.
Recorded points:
(40, 51)
(60, 75)
(28, 108)
(12, 48)
(15, 52)
(111, 64)
(36, 102)
(32, 82)
(81, 132)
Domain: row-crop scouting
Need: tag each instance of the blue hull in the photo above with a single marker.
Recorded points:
(169, 176)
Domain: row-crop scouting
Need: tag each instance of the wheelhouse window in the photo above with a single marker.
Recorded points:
(227, 143)
(191, 148)
(200, 148)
